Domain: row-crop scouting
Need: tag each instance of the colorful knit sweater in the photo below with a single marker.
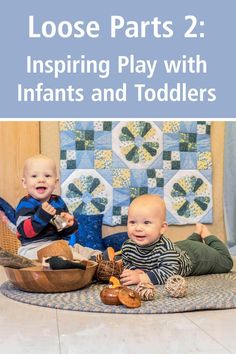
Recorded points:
(33, 223)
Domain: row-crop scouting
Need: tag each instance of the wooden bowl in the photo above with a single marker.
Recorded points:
(40, 280)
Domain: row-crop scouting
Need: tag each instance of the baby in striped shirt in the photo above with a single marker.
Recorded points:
(149, 256)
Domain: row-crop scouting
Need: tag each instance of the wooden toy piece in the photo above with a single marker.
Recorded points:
(129, 298)
(109, 294)
(146, 291)
(56, 248)
(115, 282)
(108, 255)
(7, 259)
(111, 253)
(176, 286)
(116, 294)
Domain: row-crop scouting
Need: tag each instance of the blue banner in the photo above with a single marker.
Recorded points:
(124, 59)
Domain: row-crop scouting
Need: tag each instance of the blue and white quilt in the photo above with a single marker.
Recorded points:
(105, 165)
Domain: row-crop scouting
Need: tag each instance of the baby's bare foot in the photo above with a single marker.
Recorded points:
(205, 232)
(198, 229)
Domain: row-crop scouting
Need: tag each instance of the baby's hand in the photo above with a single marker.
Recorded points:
(130, 277)
(48, 208)
(69, 218)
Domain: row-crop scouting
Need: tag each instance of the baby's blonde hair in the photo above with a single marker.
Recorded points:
(38, 157)
(153, 199)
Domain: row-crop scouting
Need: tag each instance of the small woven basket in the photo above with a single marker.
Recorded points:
(8, 240)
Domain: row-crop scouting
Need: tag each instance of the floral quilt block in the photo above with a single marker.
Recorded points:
(105, 165)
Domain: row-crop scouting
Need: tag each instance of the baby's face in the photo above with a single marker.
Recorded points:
(40, 179)
(145, 223)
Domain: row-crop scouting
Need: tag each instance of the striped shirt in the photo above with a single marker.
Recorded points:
(159, 260)
(33, 223)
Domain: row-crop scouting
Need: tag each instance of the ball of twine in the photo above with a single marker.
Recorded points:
(106, 269)
(176, 286)
(146, 291)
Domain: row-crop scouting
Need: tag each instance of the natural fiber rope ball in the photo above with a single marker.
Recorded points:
(176, 286)
(146, 291)
(106, 269)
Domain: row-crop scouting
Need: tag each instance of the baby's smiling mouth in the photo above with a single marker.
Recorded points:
(41, 189)
(139, 237)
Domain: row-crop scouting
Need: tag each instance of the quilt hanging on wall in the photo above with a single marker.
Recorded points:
(105, 165)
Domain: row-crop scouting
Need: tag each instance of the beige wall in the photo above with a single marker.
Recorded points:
(18, 140)
(50, 146)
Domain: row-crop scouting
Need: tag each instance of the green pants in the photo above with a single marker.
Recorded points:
(208, 257)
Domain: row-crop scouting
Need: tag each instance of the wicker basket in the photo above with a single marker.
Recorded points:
(8, 239)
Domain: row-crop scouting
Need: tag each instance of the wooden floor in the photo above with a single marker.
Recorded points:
(31, 329)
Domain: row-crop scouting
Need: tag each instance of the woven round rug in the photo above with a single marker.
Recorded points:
(206, 292)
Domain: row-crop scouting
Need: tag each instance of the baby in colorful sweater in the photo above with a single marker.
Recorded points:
(35, 212)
